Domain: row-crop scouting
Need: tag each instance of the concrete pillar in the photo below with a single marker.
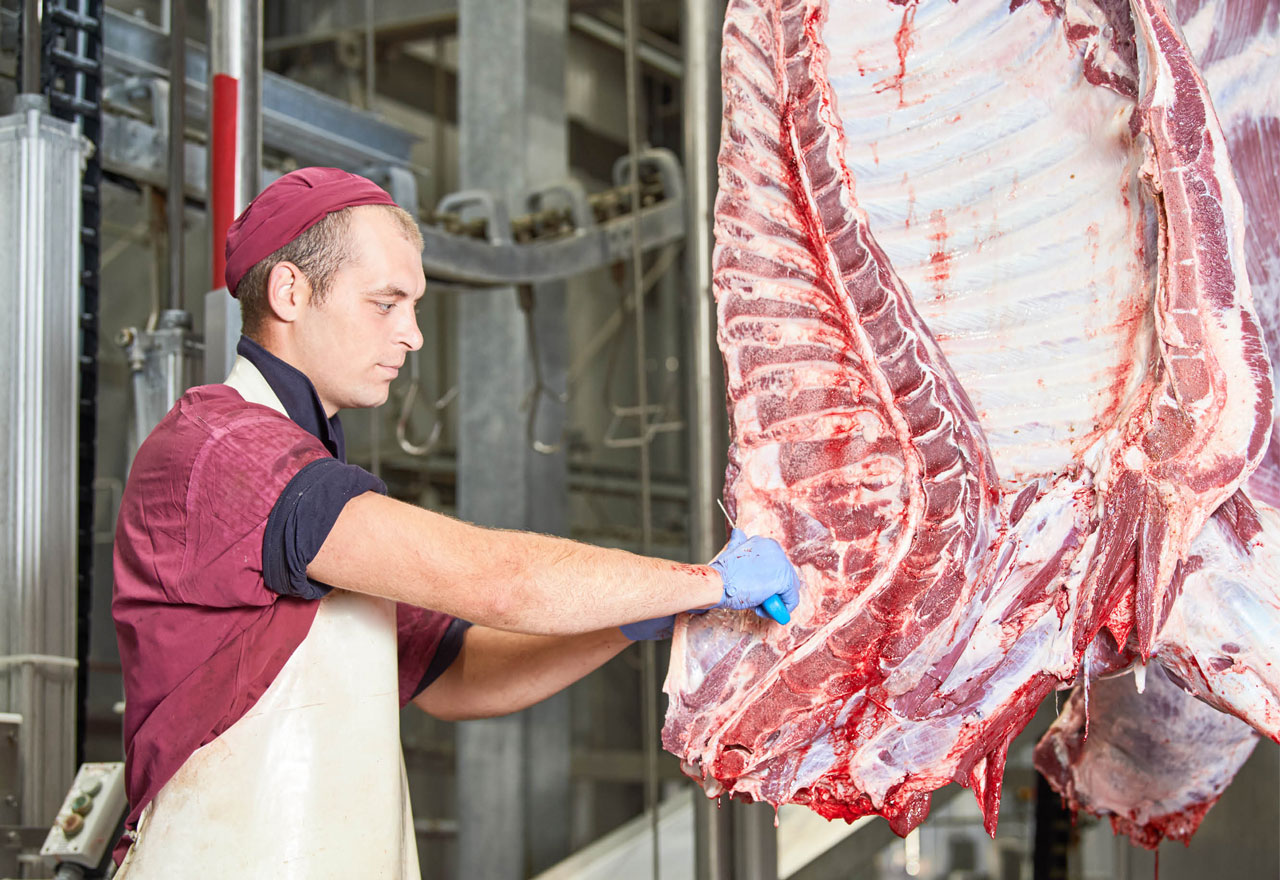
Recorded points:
(513, 773)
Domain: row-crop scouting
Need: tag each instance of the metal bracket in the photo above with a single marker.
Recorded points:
(491, 209)
(396, 180)
(571, 193)
(540, 388)
(651, 428)
(153, 91)
(663, 162)
(12, 837)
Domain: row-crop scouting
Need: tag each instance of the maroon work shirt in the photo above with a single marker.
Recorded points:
(202, 634)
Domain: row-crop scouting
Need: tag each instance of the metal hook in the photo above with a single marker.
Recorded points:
(533, 398)
(406, 410)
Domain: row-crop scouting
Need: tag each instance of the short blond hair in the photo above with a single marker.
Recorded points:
(319, 252)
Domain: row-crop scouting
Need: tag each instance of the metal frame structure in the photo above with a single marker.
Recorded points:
(313, 127)
(318, 129)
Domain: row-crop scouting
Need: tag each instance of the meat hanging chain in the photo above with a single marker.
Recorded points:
(992, 365)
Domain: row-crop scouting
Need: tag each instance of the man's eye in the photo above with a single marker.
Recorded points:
(385, 307)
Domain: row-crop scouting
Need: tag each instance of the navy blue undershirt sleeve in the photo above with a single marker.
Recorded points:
(446, 652)
(302, 518)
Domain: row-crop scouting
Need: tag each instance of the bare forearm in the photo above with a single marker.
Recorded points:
(498, 672)
(517, 581)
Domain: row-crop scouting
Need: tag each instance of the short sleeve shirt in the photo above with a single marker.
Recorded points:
(227, 501)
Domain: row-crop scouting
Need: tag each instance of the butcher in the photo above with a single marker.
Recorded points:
(275, 609)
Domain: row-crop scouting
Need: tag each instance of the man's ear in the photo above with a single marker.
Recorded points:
(287, 291)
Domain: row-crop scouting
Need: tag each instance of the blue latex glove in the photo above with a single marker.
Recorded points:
(753, 569)
(650, 630)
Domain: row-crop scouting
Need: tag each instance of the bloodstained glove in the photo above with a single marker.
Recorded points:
(650, 630)
(753, 569)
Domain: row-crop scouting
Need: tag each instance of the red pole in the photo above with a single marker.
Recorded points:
(222, 159)
(235, 119)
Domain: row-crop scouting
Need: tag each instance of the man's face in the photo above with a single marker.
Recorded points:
(354, 342)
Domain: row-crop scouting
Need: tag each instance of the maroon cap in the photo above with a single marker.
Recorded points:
(289, 207)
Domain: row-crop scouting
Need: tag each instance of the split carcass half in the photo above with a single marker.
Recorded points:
(992, 363)
(1221, 637)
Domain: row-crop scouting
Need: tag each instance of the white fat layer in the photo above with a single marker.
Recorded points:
(1004, 190)
(1220, 637)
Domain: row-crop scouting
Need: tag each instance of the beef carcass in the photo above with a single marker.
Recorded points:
(1221, 632)
(992, 363)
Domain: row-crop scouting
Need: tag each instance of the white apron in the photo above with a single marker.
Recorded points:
(310, 783)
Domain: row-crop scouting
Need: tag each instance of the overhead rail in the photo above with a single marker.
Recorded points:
(470, 239)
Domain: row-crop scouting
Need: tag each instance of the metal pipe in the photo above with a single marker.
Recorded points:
(32, 43)
(701, 94)
(235, 117)
(655, 58)
(649, 679)
(369, 73)
(439, 90)
(701, 21)
(637, 265)
(176, 200)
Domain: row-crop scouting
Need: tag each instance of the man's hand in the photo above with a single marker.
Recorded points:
(650, 630)
(753, 569)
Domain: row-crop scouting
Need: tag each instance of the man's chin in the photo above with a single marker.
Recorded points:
(379, 397)
(368, 400)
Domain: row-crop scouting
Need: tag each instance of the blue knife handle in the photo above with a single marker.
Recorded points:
(774, 608)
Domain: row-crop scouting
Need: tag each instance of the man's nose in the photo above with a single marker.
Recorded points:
(410, 335)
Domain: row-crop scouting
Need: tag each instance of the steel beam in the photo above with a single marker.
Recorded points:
(175, 204)
(310, 24)
(513, 792)
(300, 121)
(702, 20)
(655, 57)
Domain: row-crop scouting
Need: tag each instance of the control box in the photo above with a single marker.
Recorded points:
(87, 821)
